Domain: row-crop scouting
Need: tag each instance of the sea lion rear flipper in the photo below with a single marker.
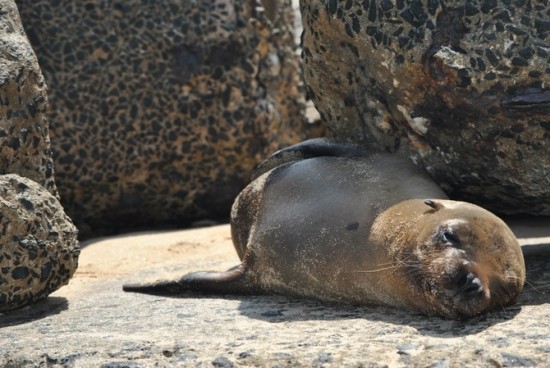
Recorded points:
(232, 281)
(317, 147)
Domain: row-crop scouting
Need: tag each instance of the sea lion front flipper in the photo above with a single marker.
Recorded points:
(316, 147)
(232, 281)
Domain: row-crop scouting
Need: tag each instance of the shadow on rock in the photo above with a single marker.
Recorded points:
(278, 309)
(537, 284)
(530, 229)
(34, 312)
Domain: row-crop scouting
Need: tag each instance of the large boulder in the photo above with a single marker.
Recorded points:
(38, 242)
(24, 140)
(460, 87)
(39, 248)
(161, 109)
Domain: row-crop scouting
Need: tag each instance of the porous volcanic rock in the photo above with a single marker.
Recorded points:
(39, 248)
(162, 109)
(460, 87)
(24, 140)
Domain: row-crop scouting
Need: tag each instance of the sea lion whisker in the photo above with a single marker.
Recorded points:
(495, 296)
(535, 287)
(379, 269)
(401, 264)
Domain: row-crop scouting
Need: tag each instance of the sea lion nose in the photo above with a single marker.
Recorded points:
(468, 284)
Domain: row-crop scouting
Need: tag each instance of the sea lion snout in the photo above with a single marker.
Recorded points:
(461, 276)
(467, 290)
(454, 285)
(468, 285)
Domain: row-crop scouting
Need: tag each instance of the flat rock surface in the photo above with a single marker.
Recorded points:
(93, 323)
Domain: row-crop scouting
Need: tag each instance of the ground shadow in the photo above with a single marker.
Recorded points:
(41, 309)
(537, 284)
(283, 309)
(278, 309)
(530, 228)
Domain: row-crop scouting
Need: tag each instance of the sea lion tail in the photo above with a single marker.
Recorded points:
(317, 147)
(233, 281)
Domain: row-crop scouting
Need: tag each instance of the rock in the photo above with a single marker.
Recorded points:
(39, 250)
(24, 140)
(459, 87)
(222, 362)
(162, 109)
(38, 245)
(103, 326)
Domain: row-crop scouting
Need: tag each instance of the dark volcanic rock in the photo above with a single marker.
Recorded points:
(459, 87)
(162, 109)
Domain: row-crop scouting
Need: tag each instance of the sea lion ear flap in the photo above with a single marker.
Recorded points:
(433, 204)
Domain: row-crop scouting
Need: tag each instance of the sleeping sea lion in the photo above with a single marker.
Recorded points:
(332, 222)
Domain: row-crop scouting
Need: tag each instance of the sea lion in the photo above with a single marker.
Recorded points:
(344, 225)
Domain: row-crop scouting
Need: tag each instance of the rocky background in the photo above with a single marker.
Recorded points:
(160, 110)
(460, 87)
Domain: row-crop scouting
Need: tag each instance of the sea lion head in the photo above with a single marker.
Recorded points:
(460, 259)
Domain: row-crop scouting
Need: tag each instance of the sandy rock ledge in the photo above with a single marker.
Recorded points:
(92, 323)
